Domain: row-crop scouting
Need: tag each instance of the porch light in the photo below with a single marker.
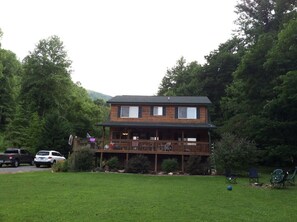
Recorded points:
(125, 134)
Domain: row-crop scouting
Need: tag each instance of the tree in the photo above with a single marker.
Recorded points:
(217, 72)
(257, 17)
(1, 34)
(10, 73)
(46, 81)
(281, 57)
(15, 133)
(33, 139)
(282, 124)
(55, 133)
(255, 106)
(181, 80)
(83, 113)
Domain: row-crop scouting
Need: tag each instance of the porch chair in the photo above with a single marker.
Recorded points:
(278, 178)
(253, 175)
(230, 177)
(291, 178)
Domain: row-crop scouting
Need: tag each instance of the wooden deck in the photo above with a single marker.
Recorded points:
(156, 147)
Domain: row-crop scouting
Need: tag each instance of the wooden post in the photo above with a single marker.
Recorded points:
(127, 159)
(183, 141)
(156, 163)
(183, 164)
(103, 137)
(101, 159)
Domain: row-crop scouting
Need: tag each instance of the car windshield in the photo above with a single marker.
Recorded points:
(43, 153)
(11, 151)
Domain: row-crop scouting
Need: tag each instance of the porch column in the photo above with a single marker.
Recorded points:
(183, 163)
(127, 159)
(156, 136)
(103, 137)
(183, 142)
(156, 163)
(101, 158)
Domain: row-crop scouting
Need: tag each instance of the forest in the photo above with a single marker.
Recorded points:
(251, 80)
(40, 106)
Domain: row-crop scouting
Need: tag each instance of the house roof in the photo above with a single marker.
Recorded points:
(181, 100)
(158, 125)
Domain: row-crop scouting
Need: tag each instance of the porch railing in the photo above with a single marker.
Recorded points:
(158, 146)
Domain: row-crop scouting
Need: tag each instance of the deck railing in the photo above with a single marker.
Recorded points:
(148, 146)
(157, 146)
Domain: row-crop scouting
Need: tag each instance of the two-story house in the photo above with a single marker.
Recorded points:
(159, 127)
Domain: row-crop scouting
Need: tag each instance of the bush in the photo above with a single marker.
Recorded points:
(234, 153)
(138, 164)
(113, 163)
(196, 165)
(60, 166)
(82, 159)
(169, 165)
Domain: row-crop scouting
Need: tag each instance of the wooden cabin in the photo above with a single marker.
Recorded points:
(159, 127)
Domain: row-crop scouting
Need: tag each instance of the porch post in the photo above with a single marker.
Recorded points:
(103, 137)
(155, 143)
(156, 163)
(127, 159)
(101, 158)
(183, 142)
(183, 164)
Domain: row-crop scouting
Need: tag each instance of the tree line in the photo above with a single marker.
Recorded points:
(251, 80)
(40, 106)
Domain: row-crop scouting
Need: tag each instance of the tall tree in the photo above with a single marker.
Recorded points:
(10, 73)
(263, 16)
(281, 110)
(181, 80)
(217, 72)
(46, 77)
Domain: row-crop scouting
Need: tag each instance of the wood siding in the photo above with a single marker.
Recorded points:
(170, 116)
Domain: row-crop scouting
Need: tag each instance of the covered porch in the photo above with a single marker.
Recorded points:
(158, 141)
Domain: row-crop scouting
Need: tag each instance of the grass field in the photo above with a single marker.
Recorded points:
(46, 196)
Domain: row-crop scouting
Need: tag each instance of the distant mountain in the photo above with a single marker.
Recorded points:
(96, 95)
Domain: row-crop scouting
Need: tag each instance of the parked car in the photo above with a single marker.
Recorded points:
(16, 156)
(47, 157)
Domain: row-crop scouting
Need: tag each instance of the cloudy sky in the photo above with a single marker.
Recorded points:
(120, 47)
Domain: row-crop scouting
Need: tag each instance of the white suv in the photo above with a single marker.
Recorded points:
(47, 157)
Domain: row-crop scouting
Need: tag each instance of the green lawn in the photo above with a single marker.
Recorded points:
(46, 196)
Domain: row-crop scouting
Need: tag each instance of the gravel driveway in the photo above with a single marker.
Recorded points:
(21, 169)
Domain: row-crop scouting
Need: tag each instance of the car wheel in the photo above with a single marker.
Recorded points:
(16, 163)
(37, 165)
(54, 162)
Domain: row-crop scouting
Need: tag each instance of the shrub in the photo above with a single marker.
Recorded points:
(196, 165)
(60, 166)
(113, 163)
(138, 164)
(234, 153)
(82, 159)
(169, 165)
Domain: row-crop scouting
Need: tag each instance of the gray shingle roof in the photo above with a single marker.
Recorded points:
(185, 100)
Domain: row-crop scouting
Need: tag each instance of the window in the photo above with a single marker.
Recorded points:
(187, 112)
(129, 111)
(158, 111)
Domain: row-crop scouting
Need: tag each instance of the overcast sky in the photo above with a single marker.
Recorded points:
(120, 47)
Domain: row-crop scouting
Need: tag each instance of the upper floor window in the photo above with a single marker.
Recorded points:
(187, 113)
(158, 111)
(129, 111)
